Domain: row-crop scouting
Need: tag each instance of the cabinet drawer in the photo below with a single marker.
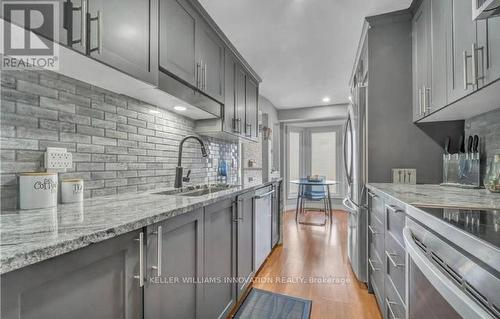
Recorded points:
(395, 222)
(376, 234)
(375, 267)
(376, 206)
(394, 307)
(394, 256)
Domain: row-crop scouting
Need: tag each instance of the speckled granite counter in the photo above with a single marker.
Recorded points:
(31, 236)
(431, 195)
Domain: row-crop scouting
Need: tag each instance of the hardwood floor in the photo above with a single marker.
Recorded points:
(318, 252)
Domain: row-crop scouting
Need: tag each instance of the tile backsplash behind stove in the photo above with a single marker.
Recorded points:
(118, 144)
(487, 127)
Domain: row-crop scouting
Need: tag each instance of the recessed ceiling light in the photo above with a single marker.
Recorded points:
(326, 99)
(154, 112)
(180, 108)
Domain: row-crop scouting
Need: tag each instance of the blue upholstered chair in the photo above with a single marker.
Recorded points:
(314, 193)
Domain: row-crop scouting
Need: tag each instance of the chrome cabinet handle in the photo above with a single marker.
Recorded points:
(393, 262)
(197, 75)
(83, 24)
(68, 22)
(205, 78)
(427, 106)
(159, 247)
(265, 194)
(374, 232)
(370, 262)
(389, 307)
(419, 102)
(475, 63)
(98, 19)
(466, 76)
(424, 103)
(248, 130)
(141, 262)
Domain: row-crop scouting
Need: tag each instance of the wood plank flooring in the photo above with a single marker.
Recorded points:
(318, 252)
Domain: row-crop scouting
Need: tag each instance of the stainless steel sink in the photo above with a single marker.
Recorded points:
(198, 190)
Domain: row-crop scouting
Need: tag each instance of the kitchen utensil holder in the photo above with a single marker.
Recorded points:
(462, 170)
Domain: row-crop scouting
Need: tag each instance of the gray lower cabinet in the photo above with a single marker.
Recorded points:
(245, 241)
(219, 259)
(275, 215)
(174, 257)
(123, 34)
(93, 282)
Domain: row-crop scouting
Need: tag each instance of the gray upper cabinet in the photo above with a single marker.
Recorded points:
(219, 259)
(210, 55)
(174, 250)
(251, 109)
(488, 55)
(421, 39)
(240, 93)
(178, 25)
(460, 43)
(438, 86)
(230, 123)
(93, 282)
(123, 34)
(245, 240)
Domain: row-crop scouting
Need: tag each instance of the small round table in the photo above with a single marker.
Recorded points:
(302, 184)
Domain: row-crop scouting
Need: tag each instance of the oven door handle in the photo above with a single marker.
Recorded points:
(463, 304)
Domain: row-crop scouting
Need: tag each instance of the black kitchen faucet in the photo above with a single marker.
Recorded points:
(178, 170)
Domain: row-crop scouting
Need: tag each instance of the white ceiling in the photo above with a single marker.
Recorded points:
(303, 49)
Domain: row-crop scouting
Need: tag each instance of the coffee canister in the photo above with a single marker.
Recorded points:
(37, 190)
(71, 190)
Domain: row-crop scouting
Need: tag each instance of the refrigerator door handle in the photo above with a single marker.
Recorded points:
(348, 127)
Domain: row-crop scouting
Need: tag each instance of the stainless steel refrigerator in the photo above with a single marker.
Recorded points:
(355, 163)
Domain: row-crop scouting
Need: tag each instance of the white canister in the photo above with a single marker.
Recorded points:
(71, 190)
(37, 190)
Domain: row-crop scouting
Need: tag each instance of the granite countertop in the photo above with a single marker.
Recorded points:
(31, 236)
(436, 195)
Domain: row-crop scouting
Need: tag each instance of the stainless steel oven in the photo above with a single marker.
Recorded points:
(445, 282)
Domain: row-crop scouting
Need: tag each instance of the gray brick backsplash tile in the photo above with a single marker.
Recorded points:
(97, 114)
(116, 150)
(72, 137)
(8, 155)
(116, 166)
(89, 130)
(89, 148)
(36, 112)
(7, 131)
(53, 104)
(74, 118)
(18, 144)
(103, 175)
(73, 98)
(36, 133)
(58, 126)
(103, 158)
(103, 141)
(118, 145)
(103, 124)
(33, 88)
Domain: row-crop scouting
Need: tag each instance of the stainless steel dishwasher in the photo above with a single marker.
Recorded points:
(263, 224)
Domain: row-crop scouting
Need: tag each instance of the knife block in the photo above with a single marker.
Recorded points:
(462, 170)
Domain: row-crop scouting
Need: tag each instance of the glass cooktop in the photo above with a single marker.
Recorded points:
(484, 224)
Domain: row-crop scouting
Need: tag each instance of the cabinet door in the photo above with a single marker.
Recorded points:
(488, 33)
(181, 253)
(93, 282)
(210, 52)
(178, 23)
(219, 259)
(240, 82)
(251, 111)
(421, 59)
(245, 241)
(123, 34)
(463, 36)
(230, 95)
(275, 228)
(439, 17)
(71, 17)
